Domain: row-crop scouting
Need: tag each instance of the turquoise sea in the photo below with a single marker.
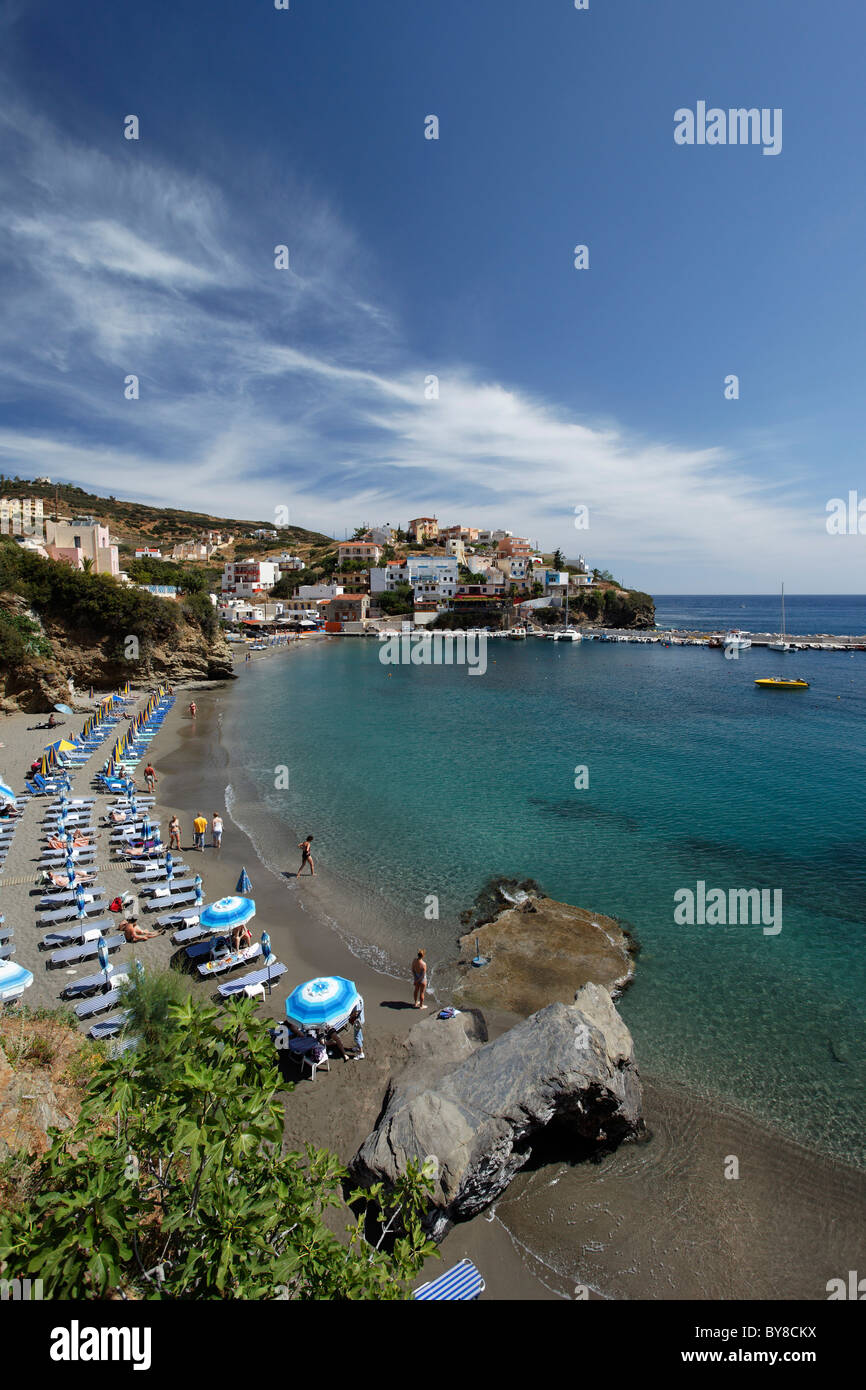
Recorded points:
(420, 781)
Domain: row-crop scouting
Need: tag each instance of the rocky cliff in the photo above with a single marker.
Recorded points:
(88, 656)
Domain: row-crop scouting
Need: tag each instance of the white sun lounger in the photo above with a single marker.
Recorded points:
(175, 883)
(155, 873)
(108, 1027)
(173, 900)
(68, 895)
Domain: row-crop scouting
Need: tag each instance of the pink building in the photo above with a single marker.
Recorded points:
(73, 542)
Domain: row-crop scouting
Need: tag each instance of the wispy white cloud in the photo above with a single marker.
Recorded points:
(262, 388)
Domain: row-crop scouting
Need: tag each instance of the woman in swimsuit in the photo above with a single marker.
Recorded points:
(419, 976)
(306, 856)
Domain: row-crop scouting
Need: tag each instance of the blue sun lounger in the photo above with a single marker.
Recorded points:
(173, 900)
(461, 1282)
(99, 1002)
(257, 977)
(200, 949)
(150, 886)
(62, 896)
(108, 1027)
(85, 951)
(69, 935)
(88, 984)
(155, 873)
(187, 922)
(63, 914)
(7, 949)
(228, 961)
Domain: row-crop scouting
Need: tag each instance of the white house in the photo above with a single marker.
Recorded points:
(246, 578)
(317, 591)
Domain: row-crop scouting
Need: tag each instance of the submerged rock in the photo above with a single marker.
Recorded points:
(540, 950)
(473, 1110)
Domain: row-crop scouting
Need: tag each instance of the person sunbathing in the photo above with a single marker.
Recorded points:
(133, 932)
(331, 1038)
(62, 880)
(79, 841)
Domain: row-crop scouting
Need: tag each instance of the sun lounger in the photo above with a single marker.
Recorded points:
(7, 949)
(155, 872)
(101, 1001)
(89, 983)
(462, 1282)
(92, 932)
(6, 932)
(173, 900)
(70, 895)
(206, 943)
(229, 960)
(108, 1027)
(258, 977)
(63, 914)
(193, 932)
(175, 883)
(76, 801)
(70, 954)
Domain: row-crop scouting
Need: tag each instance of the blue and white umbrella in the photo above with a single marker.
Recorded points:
(14, 979)
(79, 898)
(70, 870)
(102, 952)
(226, 913)
(244, 885)
(269, 957)
(322, 1003)
(6, 792)
(198, 888)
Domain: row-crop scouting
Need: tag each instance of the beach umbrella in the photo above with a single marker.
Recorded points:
(64, 709)
(226, 913)
(79, 898)
(244, 885)
(14, 979)
(70, 870)
(322, 1003)
(102, 952)
(198, 888)
(266, 947)
(6, 793)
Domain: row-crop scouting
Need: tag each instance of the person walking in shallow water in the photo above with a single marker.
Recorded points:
(419, 979)
(306, 856)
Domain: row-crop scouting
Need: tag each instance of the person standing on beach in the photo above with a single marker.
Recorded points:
(306, 856)
(200, 828)
(150, 777)
(192, 708)
(217, 827)
(174, 833)
(419, 977)
(356, 1018)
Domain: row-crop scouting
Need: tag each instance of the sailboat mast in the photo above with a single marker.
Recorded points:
(783, 612)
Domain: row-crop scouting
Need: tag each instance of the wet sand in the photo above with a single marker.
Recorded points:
(655, 1220)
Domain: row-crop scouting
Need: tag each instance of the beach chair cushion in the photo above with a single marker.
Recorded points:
(462, 1282)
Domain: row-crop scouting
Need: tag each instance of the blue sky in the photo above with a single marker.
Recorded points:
(558, 388)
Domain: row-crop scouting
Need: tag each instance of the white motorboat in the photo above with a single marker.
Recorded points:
(736, 641)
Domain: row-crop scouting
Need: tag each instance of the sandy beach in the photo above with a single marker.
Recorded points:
(656, 1220)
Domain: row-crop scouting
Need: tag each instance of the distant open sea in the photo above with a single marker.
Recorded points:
(421, 781)
(840, 615)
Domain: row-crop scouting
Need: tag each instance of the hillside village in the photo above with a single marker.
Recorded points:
(260, 576)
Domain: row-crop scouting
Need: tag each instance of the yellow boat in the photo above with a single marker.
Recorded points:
(777, 683)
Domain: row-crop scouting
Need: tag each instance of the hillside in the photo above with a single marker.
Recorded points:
(137, 524)
(57, 624)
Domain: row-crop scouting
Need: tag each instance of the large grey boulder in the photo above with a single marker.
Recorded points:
(471, 1111)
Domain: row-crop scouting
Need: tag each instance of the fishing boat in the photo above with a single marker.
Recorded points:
(737, 640)
(781, 683)
(783, 645)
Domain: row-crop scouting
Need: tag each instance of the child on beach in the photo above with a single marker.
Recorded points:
(306, 856)
(419, 976)
(217, 827)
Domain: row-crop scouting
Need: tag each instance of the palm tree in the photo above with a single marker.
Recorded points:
(87, 565)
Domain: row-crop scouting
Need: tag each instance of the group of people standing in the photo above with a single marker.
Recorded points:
(199, 830)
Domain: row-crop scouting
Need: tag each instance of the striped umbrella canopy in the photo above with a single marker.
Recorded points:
(102, 952)
(6, 792)
(61, 746)
(321, 1003)
(199, 888)
(79, 898)
(70, 870)
(14, 979)
(244, 885)
(227, 913)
